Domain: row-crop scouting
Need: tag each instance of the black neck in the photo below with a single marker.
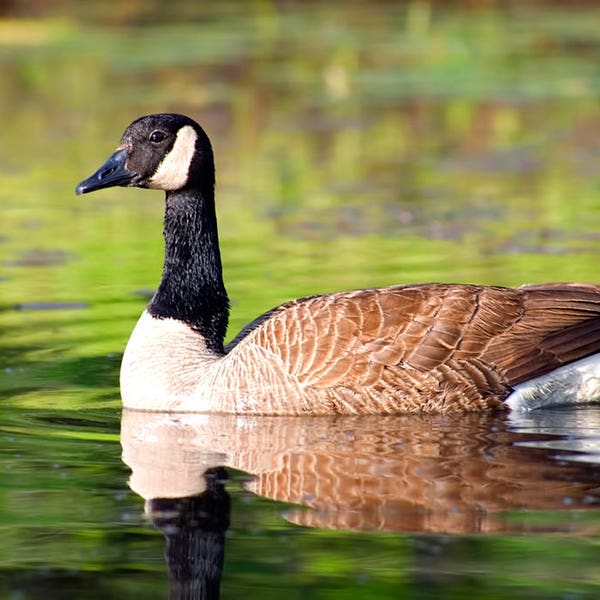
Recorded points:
(191, 289)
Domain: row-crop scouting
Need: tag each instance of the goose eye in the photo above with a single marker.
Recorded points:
(157, 137)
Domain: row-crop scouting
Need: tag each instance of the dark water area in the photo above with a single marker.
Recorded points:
(356, 506)
(368, 145)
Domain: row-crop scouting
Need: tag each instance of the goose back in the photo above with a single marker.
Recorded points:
(435, 347)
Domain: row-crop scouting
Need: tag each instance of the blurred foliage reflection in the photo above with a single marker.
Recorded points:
(357, 144)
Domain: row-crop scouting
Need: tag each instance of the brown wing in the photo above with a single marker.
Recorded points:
(560, 323)
(520, 332)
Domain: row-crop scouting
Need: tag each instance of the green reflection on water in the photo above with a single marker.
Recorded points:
(367, 146)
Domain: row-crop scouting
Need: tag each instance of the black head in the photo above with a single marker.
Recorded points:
(164, 151)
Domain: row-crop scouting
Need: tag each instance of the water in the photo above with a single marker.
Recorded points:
(350, 506)
(382, 144)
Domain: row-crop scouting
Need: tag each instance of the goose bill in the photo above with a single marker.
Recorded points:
(112, 173)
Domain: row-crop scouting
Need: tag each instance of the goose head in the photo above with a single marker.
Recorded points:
(171, 152)
(164, 151)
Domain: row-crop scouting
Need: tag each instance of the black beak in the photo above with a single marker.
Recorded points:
(111, 173)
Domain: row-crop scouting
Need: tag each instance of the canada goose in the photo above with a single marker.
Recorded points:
(428, 347)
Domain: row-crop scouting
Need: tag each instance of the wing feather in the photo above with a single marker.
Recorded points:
(490, 336)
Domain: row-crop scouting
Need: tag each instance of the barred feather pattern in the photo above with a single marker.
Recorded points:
(432, 347)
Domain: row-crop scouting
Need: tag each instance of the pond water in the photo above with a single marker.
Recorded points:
(382, 143)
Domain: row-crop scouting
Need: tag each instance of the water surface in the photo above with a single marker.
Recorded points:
(376, 145)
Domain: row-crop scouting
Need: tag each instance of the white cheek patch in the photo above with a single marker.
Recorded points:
(172, 173)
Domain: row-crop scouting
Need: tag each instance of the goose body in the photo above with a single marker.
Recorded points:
(424, 347)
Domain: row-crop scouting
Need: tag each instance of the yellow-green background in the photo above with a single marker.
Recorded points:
(357, 144)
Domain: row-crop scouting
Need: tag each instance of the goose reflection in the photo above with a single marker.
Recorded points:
(417, 473)
(194, 528)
